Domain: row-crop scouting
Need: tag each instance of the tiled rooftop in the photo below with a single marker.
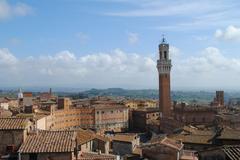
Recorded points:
(123, 137)
(232, 152)
(13, 123)
(172, 143)
(49, 141)
(188, 155)
(197, 139)
(229, 134)
(84, 136)
(96, 156)
(196, 131)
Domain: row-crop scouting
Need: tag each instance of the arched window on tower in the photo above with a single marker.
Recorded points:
(165, 54)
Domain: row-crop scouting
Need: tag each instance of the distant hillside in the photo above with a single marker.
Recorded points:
(187, 96)
(151, 94)
(146, 93)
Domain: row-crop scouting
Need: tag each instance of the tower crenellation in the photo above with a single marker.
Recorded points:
(164, 62)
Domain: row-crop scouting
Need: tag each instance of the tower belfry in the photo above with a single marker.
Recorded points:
(164, 68)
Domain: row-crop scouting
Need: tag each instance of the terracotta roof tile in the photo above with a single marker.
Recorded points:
(96, 156)
(229, 134)
(84, 136)
(172, 143)
(233, 152)
(13, 123)
(123, 137)
(49, 141)
(197, 139)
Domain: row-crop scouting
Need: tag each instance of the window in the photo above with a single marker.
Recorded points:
(165, 54)
(102, 112)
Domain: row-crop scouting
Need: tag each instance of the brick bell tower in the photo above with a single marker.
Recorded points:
(164, 68)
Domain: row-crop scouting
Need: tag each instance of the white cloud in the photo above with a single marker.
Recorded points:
(230, 33)
(112, 69)
(143, 8)
(6, 58)
(133, 38)
(208, 69)
(182, 15)
(8, 10)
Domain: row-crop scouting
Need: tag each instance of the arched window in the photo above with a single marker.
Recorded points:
(165, 54)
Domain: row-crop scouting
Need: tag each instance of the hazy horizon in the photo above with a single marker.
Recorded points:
(77, 89)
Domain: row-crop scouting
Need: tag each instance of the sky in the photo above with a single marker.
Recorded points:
(114, 43)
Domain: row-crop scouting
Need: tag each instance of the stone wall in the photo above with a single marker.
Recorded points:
(160, 152)
(102, 146)
(11, 137)
(48, 156)
(121, 148)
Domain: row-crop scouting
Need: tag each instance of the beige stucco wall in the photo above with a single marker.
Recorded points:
(41, 124)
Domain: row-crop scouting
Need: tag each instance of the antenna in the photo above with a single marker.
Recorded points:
(163, 38)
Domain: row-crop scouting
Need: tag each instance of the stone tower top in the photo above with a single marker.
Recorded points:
(164, 62)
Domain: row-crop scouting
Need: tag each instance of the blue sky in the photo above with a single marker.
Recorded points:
(113, 43)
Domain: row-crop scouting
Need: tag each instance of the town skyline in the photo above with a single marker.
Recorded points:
(116, 46)
(119, 80)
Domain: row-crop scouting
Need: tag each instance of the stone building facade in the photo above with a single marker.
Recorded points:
(195, 115)
(218, 99)
(122, 144)
(145, 119)
(99, 117)
(13, 132)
